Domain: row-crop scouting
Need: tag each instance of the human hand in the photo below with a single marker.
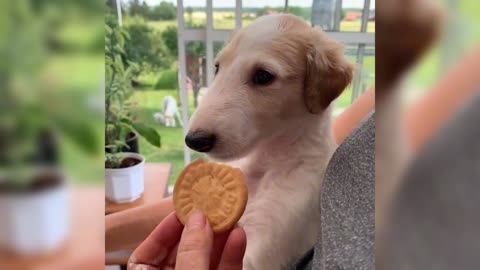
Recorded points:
(193, 247)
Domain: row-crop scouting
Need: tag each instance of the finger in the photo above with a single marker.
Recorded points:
(232, 257)
(155, 249)
(219, 241)
(142, 267)
(217, 250)
(172, 257)
(196, 244)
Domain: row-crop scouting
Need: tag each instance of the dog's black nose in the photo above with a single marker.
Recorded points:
(200, 141)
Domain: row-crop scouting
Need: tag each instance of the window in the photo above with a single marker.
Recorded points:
(351, 22)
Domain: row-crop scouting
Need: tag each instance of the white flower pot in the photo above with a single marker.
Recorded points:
(125, 184)
(35, 222)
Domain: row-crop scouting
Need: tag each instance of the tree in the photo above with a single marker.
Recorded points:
(164, 11)
(169, 36)
(145, 47)
(111, 4)
(145, 10)
(139, 9)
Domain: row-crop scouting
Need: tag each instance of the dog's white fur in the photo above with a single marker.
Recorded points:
(279, 134)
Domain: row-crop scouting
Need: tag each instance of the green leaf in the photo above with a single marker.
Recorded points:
(125, 34)
(127, 122)
(147, 132)
(108, 74)
(121, 143)
(119, 49)
(119, 37)
(128, 128)
(82, 133)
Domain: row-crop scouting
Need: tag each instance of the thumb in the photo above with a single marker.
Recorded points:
(196, 244)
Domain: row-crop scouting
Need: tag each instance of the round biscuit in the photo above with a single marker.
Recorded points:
(218, 190)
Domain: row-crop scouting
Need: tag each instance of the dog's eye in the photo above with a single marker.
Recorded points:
(217, 66)
(262, 77)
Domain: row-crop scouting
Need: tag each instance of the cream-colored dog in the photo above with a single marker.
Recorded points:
(268, 113)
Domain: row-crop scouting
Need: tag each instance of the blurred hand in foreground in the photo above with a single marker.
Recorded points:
(194, 247)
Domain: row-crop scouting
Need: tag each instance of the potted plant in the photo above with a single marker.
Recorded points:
(123, 168)
(33, 192)
(35, 116)
(34, 209)
(34, 202)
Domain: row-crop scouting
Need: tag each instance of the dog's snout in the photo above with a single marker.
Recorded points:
(200, 140)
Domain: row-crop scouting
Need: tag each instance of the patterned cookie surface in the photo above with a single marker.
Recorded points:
(218, 190)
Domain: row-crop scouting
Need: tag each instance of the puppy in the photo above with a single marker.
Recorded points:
(267, 112)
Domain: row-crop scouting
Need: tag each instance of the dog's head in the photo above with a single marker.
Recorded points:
(272, 73)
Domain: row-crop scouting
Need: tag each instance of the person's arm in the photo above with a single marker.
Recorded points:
(353, 115)
(428, 113)
(127, 229)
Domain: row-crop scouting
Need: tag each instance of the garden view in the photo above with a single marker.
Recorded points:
(151, 43)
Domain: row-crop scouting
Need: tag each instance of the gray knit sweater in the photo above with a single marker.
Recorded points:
(346, 240)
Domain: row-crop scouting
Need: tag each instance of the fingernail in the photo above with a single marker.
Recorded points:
(196, 220)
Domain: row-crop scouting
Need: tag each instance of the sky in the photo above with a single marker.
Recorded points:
(260, 3)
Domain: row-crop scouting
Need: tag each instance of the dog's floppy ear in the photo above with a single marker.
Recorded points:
(328, 72)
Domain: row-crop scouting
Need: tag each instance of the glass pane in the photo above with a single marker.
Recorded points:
(368, 68)
(351, 18)
(217, 47)
(224, 14)
(367, 74)
(194, 13)
(196, 64)
(253, 9)
(196, 69)
(344, 16)
(346, 97)
(150, 102)
(371, 18)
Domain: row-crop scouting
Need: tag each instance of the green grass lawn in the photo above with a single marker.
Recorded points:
(149, 102)
(162, 25)
(172, 138)
(354, 26)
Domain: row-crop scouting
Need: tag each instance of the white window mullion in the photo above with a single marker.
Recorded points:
(209, 41)
(119, 13)
(182, 83)
(238, 14)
